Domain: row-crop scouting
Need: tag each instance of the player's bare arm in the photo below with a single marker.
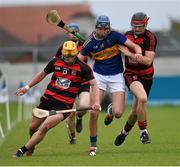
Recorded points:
(146, 59)
(135, 47)
(80, 57)
(126, 51)
(36, 79)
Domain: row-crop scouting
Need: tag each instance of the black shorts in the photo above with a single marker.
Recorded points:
(85, 87)
(146, 82)
(50, 104)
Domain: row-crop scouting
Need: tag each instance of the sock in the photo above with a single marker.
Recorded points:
(124, 132)
(93, 140)
(24, 149)
(127, 127)
(142, 124)
(73, 135)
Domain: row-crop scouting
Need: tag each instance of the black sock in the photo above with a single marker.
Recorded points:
(24, 149)
(127, 127)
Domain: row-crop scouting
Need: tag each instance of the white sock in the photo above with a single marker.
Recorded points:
(124, 132)
(144, 130)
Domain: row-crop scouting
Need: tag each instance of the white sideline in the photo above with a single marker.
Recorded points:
(6, 134)
(1, 131)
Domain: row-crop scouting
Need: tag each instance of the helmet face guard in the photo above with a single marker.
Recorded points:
(102, 27)
(139, 22)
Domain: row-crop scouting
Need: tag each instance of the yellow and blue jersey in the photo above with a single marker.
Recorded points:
(108, 60)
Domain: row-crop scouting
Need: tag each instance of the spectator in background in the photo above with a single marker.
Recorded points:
(103, 47)
(138, 76)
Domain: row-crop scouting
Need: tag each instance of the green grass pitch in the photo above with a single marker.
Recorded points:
(55, 150)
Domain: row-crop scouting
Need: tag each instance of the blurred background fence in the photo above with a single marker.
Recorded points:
(165, 89)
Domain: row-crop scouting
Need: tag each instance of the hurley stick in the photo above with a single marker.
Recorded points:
(54, 18)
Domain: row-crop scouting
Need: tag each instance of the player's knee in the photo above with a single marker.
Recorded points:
(142, 99)
(118, 115)
(118, 112)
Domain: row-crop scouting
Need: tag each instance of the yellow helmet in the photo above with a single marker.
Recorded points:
(69, 48)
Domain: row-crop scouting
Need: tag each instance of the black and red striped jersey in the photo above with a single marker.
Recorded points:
(66, 79)
(147, 42)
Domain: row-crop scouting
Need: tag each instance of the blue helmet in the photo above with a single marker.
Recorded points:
(74, 27)
(103, 21)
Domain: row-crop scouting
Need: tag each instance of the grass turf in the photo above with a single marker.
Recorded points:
(55, 150)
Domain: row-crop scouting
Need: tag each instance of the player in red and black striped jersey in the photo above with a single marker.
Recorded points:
(68, 75)
(83, 96)
(139, 75)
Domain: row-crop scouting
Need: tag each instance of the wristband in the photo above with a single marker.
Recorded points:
(27, 87)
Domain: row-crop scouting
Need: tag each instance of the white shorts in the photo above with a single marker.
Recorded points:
(113, 83)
